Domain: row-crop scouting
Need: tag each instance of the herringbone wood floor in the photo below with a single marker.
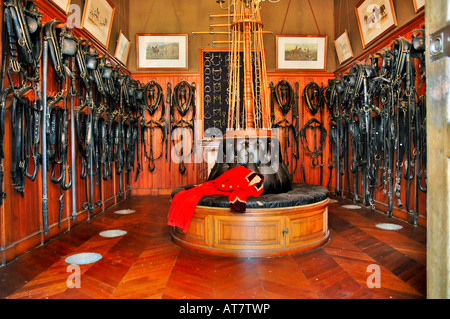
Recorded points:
(146, 264)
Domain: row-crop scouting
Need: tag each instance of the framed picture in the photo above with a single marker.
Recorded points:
(162, 51)
(418, 5)
(62, 5)
(97, 19)
(375, 18)
(343, 48)
(122, 48)
(301, 52)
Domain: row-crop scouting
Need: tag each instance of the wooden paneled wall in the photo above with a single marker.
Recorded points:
(306, 172)
(166, 176)
(163, 180)
(21, 221)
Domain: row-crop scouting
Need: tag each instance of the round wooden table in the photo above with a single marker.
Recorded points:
(273, 224)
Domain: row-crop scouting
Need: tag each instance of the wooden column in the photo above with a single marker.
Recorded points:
(438, 166)
(248, 94)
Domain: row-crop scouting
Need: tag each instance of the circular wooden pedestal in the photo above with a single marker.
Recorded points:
(265, 232)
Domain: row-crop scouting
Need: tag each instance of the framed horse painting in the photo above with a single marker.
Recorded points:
(343, 47)
(122, 48)
(162, 51)
(301, 52)
(375, 18)
(97, 20)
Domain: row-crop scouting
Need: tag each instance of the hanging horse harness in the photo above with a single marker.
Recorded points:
(287, 100)
(315, 101)
(183, 100)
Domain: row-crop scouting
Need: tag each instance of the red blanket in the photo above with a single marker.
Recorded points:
(237, 183)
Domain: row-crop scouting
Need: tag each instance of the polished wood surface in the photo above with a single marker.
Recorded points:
(145, 263)
(269, 232)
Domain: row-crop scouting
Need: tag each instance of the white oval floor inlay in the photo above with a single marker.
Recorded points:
(83, 258)
(351, 206)
(124, 211)
(388, 226)
(113, 233)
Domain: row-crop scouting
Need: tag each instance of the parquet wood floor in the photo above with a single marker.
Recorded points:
(145, 263)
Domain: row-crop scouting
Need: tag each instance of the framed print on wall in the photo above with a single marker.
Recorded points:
(343, 48)
(122, 48)
(97, 19)
(166, 51)
(301, 52)
(62, 5)
(418, 5)
(375, 18)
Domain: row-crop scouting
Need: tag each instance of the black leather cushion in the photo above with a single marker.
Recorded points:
(261, 155)
(299, 195)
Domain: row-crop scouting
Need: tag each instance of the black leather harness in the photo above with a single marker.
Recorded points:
(314, 97)
(183, 100)
(284, 96)
(378, 103)
(22, 44)
(154, 100)
(62, 46)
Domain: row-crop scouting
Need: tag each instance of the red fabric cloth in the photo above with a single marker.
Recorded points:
(237, 183)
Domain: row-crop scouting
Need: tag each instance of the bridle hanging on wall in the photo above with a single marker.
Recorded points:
(21, 40)
(154, 100)
(386, 119)
(183, 100)
(61, 45)
(285, 97)
(314, 98)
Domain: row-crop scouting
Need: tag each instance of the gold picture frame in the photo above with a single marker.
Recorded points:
(343, 47)
(375, 18)
(301, 52)
(162, 51)
(98, 16)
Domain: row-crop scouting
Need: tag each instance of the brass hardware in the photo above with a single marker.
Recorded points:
(211, 16)
(210, 32)
(219, 25)
(440, 44)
